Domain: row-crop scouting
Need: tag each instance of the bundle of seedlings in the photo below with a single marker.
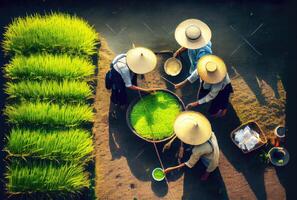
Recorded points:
(48, 114)
(50, 67)
(153, 116)
(54, 33)
(67, 145)
(64, 91)
(45, 176)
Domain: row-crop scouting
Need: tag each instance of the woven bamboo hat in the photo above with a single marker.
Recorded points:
(141, 60)
(211, 69)
(192, 128)
(192, 34)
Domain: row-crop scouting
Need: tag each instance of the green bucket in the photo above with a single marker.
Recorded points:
(158, 174)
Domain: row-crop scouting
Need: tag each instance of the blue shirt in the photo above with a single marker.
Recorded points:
(195, 54)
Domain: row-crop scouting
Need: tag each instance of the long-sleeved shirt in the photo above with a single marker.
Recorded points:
(214, 88)
(196, 54)
(209, 151)
(120, 65)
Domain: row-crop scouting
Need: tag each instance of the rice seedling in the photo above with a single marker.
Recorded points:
(50, 67)
(153, 116)
(65, 91)
(53, 33)
(45, 176)
(47, 114)
(68, 145)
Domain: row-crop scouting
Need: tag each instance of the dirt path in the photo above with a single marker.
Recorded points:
(124, 162)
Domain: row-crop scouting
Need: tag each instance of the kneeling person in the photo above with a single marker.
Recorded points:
(193, 128)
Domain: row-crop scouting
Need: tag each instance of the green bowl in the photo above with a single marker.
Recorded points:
(158, 174)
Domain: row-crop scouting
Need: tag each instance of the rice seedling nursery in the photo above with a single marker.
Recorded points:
(49, 145)
(152, 109)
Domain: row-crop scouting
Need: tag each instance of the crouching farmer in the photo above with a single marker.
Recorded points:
(123, 72)
(194, 129)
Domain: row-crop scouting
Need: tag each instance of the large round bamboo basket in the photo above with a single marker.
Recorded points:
(129, 109)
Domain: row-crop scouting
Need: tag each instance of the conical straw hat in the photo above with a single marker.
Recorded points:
(211, 69)
(192, 34)
(141, 60)
(192, 128)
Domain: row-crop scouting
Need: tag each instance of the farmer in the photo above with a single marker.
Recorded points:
(123, 74)
(193, 35)
(194, 129)
(215, 85)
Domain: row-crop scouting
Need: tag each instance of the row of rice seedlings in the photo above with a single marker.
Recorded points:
(51, 67)
(48, 114)
(53, 33)
(67, 145)
(65, 91)
(45, 176)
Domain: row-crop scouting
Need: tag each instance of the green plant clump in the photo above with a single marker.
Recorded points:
(68, 145)
(50, 67)
(65, 91)
(54, 33)
(45, 176)
(47, 114)
(154, 115)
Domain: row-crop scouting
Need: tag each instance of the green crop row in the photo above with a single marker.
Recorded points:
(54, 33)
(48, 88)
(72, 91)
(45, 176)
(48, 114)
(50, 67)
(68, 145)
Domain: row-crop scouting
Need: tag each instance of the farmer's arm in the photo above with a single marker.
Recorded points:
(169, 169)
(134, 87)
(191, 79)
(214, 91)
(179, 51)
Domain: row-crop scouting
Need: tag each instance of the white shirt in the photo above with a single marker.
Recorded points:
(120, 65)
(214, 88)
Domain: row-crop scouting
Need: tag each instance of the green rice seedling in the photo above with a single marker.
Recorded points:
(68, 145)
(47, 114)
(45, 176)
(54, 33)
(50, 67)
(153, 116)
(65, 91)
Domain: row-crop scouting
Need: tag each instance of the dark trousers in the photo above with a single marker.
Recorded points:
(221, 101)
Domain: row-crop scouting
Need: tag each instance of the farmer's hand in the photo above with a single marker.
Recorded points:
(191, 105)
(169, 169)
(166, 146)
(178, 86)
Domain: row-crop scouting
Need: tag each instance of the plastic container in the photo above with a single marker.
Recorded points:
(156, 174)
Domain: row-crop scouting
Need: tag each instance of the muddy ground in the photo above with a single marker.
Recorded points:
(124, 162)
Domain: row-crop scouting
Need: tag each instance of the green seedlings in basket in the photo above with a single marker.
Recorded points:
(69, 145)
(50, 67)
(154, 115)
(47, 114)
(65, 91)
(46, 177)
(55, 33)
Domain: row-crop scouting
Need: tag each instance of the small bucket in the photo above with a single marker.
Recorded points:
(156, 174)
(172, 66)
(278, 156)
